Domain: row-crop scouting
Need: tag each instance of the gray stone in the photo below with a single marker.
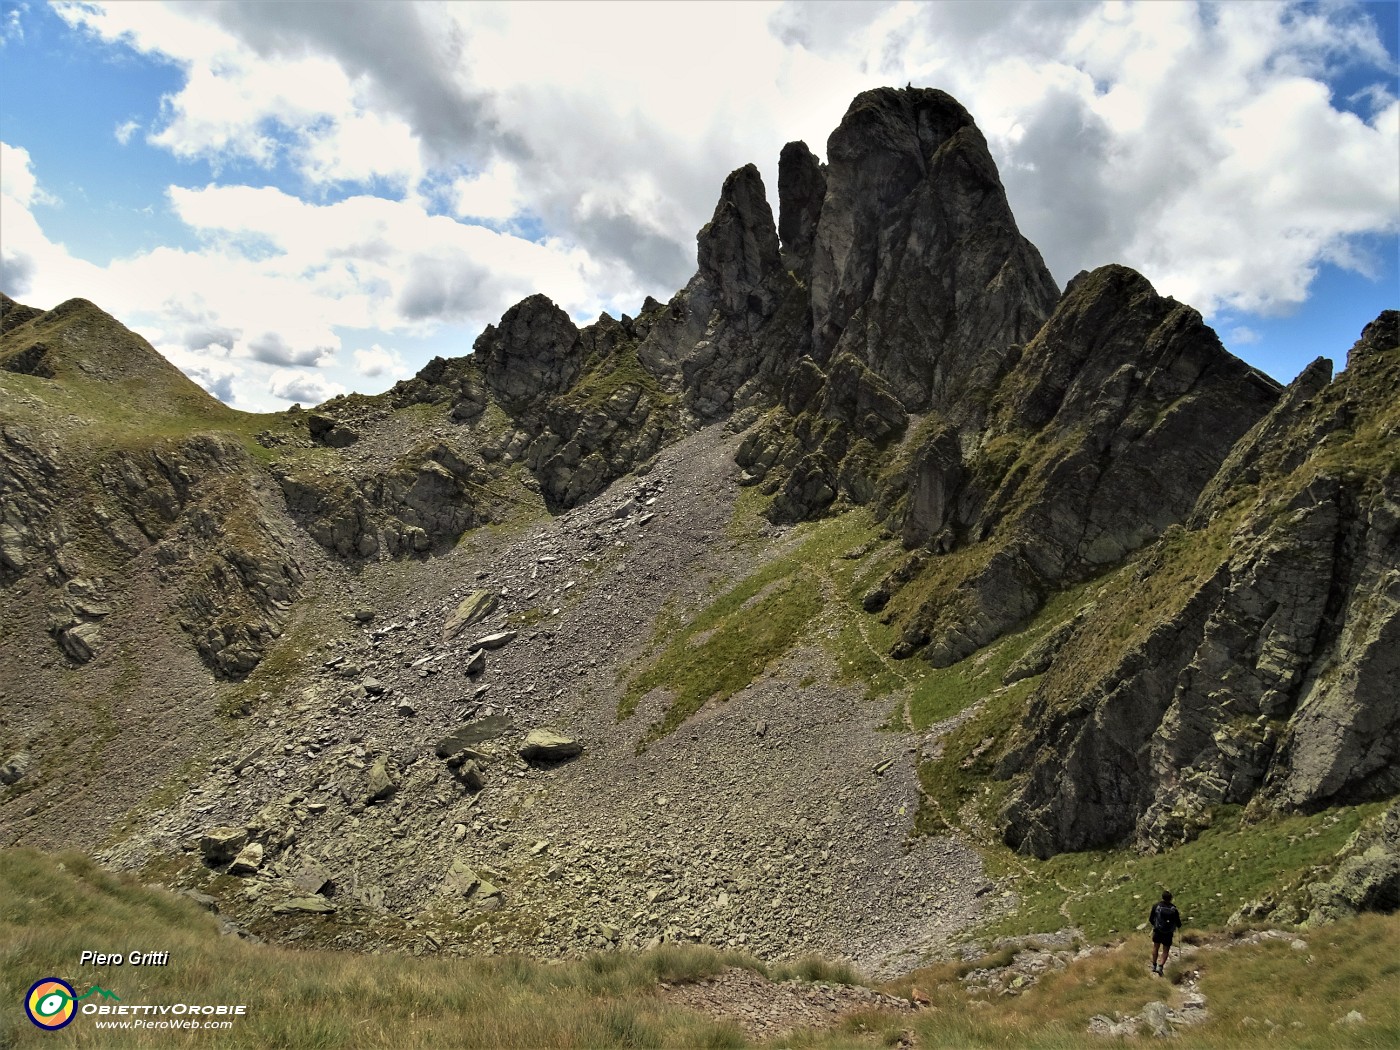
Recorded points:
(470, 775)
(477, 732)
(248, 861)
(545, 745)
(474, 608)
(15, 768)
(314, 879)
(383, 781)
(460, 879)
(1156, 1016)
(494, 641)
(221, 845)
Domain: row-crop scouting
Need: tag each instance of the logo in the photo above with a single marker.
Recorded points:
(51, 1003)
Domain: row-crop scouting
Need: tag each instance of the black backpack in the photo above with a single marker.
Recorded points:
(1165, 918)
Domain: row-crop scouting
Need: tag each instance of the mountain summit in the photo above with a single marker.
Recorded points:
(595, 636)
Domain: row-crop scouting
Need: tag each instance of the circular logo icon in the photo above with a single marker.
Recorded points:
(49, 1003)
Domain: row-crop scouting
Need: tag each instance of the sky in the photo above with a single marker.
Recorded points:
(296, 200)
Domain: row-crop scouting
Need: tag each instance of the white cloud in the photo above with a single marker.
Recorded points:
(307, 388)
(271, 348)
(1199, 144)
(12, 29)
(377, 361)
(125, 130)
(491, 194)
(1194, 143)
(28, 261)
(274, 279)
(1242, 335)
(17, 180)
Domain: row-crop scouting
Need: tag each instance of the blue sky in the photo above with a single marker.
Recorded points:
(295, 200)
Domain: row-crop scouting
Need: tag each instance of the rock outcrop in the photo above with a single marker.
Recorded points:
(1264, 642)
(1114, 418)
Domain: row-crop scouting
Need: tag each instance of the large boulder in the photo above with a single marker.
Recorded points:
(545, 745)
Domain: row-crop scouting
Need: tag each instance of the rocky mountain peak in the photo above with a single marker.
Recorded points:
(78, 339)
(738, 247)
(918, 268)
(1157, 584)
(13, 314)
(1379, 336)
(801, 189)
(533, 354)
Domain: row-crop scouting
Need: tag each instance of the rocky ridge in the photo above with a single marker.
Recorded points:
(1260, 670)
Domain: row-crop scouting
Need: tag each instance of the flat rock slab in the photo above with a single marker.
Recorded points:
(248, 861)
(314, 905)
(494, 641)
(483, 729)
(474, 608)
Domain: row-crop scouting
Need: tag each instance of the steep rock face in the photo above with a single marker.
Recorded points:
(724, 341)
(1263, 644)
(1104, 433)
(86, 494)
(918, 275)
(531, 356)
(30, 529)
(193, 505)
(917, 266)
(801, 190)
(426, 499)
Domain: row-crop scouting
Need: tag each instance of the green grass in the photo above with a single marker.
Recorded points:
(731, 641)
(287, 660)
(727, 646)
(1108, 893)
(620, 371)
(946, 691)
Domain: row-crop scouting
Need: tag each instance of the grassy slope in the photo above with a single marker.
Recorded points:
(808, 592)
(54, 908)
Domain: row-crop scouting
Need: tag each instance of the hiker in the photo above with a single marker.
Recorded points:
(1165, 921)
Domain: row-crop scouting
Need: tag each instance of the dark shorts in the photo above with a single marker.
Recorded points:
(1163, 938)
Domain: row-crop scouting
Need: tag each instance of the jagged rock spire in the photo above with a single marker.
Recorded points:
(801, 188)
(917, 265)
(738, 248)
